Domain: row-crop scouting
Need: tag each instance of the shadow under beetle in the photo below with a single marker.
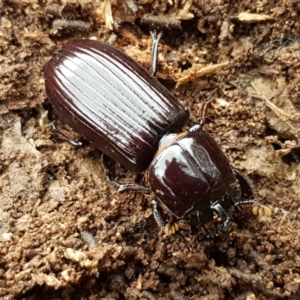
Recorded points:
(120, 108)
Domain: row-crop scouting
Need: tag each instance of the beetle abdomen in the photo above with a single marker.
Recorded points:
(112, 101)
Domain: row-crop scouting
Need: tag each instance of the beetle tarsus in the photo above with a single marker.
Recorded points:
(65, 137)
(209, 232)
(186, 242)
(128, 186)
(223, 226)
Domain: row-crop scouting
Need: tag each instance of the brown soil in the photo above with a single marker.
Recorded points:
(65, 233)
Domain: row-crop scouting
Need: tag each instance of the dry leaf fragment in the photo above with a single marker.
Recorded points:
(246, 17)
(109, 21)
(193, 74)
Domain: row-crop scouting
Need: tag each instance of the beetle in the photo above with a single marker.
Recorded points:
(115, 104)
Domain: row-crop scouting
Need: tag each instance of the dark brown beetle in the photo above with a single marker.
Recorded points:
(126, 113)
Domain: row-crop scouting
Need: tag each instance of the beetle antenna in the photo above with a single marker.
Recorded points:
(202, 113)
(246, 192)
(258, 209)
(203, 109)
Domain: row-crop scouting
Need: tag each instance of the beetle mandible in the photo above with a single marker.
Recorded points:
(115, 104)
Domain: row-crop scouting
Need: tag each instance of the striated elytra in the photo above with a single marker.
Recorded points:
(112, 101)
(115, 104)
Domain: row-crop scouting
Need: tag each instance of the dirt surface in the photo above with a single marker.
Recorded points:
(65, 233)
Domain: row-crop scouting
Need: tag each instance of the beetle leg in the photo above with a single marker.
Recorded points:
(157, 216)
(207, 221)
(154, 50)
(128, 186)
(209, 232)
(226, 217)
(246, 190)
(66, 137)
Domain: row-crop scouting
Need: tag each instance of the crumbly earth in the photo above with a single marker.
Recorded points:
(65, 233)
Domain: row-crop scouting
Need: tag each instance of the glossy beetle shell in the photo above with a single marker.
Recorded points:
(190, 174)
(112, 101)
